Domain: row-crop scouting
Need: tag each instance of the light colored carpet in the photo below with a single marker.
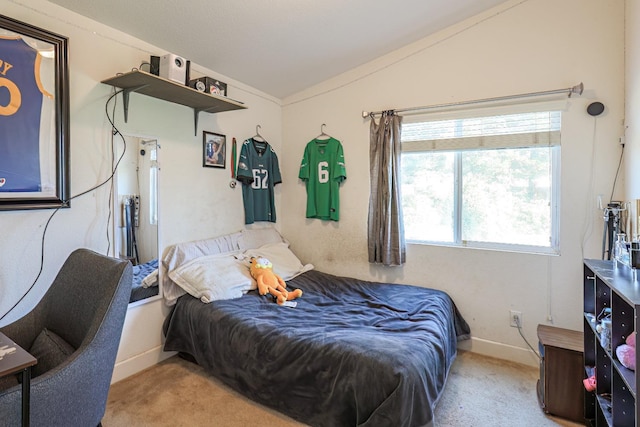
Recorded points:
(480, 391)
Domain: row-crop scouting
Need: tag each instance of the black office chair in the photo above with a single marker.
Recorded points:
(74, 331)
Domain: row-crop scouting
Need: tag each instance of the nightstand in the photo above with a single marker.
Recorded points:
(560, 387)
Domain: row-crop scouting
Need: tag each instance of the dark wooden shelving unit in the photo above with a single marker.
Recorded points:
(615, 287)
(139, 81)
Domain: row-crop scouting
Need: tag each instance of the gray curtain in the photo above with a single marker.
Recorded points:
(385, 227)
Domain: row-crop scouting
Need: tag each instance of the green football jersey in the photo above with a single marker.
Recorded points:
(323, 170)
(258, 171)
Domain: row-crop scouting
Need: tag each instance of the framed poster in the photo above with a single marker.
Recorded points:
(34, 117)
(214, 150)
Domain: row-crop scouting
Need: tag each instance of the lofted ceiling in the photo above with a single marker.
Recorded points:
(278, 46)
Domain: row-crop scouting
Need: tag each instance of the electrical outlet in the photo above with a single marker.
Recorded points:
(515, 318)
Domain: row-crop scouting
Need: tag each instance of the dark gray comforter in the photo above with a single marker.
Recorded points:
(351, 353)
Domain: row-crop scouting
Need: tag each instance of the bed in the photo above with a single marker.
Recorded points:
(145, 281)
(350, 353)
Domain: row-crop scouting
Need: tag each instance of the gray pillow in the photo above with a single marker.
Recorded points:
(50, 350)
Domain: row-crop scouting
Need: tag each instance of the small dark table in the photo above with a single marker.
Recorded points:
(560, 387)
(14, 359)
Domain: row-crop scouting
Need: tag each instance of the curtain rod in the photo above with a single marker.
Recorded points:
(570, 90)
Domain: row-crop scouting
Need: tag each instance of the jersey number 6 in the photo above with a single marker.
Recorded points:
(323, 173)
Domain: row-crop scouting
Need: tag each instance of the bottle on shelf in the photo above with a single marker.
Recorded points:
(620, 250)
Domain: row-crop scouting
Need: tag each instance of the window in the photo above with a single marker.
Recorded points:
(488, 182)
(153, 185)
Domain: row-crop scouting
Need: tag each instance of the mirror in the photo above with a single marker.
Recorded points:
(136, 214)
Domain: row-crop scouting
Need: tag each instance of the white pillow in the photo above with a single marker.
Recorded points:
(257, 237)
(150, 279)
(285, 263)
(214, 277)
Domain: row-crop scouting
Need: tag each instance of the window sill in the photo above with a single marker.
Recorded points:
(495, 247)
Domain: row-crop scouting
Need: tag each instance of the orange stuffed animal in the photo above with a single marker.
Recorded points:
(269, 282)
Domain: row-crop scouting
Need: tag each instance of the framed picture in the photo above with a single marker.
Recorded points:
(214, 150)
(34, 117)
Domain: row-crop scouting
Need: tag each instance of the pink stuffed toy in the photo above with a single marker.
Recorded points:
(627, 352)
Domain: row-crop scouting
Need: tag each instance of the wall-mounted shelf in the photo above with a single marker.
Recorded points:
(161, 88)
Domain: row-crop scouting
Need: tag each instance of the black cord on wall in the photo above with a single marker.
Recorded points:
(617, 172)
(114, 168)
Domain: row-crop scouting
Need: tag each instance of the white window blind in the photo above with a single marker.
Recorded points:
(521, 130)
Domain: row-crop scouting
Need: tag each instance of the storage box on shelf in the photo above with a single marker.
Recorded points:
(610, 289)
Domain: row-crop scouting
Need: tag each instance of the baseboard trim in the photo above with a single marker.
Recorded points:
(145, 360)
(140, 362)
(499, 350)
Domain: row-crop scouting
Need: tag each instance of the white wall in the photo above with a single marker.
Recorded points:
(519, 47)
(195, 202)
(632, 82)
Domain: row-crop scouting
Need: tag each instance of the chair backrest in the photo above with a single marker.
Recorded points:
(86, 306)
(79, 298)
